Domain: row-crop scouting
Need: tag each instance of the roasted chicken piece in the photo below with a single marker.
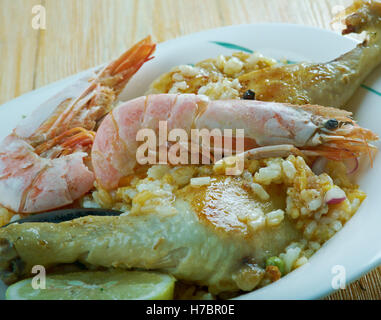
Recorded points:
(200, 241)
(327, 84)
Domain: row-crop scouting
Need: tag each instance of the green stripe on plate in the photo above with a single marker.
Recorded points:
(371, 89)
(232, 46)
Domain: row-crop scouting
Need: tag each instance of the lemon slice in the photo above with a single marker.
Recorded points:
(97, 285)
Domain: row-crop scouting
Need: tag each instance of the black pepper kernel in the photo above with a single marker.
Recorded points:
(331, 124)
(249, 95)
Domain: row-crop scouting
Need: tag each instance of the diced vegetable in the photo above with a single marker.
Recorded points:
(335, 196)
(276, 261)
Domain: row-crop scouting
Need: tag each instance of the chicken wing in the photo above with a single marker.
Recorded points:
(327, 84)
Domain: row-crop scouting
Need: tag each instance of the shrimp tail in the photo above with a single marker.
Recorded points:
(128, 64)
(97, 99)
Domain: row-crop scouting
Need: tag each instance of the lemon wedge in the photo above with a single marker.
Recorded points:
(97, 285)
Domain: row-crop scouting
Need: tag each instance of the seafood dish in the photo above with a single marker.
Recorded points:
(226, 175)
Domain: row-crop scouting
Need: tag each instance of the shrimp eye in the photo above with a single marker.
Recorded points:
(331, 124)
(249, 95)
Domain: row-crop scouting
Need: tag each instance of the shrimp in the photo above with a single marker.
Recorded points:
(44, 162)
(310, 129)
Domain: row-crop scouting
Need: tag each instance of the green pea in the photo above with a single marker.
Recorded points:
(276, 261)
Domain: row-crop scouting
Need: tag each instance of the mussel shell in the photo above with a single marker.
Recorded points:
(62, 215)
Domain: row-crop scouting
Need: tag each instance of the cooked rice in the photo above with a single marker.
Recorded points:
(216, 78)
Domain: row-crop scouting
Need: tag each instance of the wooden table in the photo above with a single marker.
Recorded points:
(81, 34)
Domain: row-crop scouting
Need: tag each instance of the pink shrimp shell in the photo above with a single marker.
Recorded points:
(38, 184)
(114, 150)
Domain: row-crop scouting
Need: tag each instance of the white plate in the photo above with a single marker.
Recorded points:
(357, 247)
